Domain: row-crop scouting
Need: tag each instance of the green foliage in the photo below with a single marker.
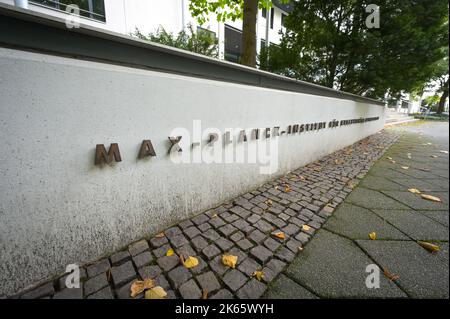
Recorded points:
(202, 41)
(328, 43)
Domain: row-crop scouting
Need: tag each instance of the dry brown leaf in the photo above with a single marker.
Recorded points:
(338, 161)
(405, 167)
(229, 260)
(205, 294)
(269, 202)
(156, 293)
(170, 252)
(432, 248)
(160, 235)
(414, 191)
(259, 275)
(431, 198)
(280, 235)
(302, 178)
(190, 262)
(139, 286)
(306, 227)
(373, 235)
(300, 248)
(287, 189)
(390, 276)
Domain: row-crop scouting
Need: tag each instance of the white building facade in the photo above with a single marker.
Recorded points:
(125, 16)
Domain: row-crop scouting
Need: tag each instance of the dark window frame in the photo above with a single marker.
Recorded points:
(89, 10)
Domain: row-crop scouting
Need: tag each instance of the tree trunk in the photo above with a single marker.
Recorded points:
(249, 32)
(444, 96)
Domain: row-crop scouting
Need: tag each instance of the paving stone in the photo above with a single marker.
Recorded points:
(261, 254)
(119, 257)
(185, 224)
(303, 238)
(237, 236)
(257, 236)
(158, 242)
(149, 272)
(241, 224)
(211, 251)
(186, 251)
(95, 284)
(223, 294)
(272, 244)
(227, 230)
(231, 218)
(178, 241)
(217, 266)
(254, 289)
(162, 282)
(200, 219)
(285, 288)
(143, 259)
(294, 245)
(190, 290)
(124, 292)
(123, 273)
(199, 243)
(211, 235)
(239, 253)
(172, 232)
(224, 244)
(234, 279)
(168, 262)
(105, 293)
(202, 265)
(241, 212)
(291, 229)
(285, 254)
(244, 244)
(62, 280)
(179, 276)
(249, 266)
(137, 248)
(204, 227)
(97, 268)
(217, 222)
(192, 232)
(373, 199)
(208, 282)
(276, 265)
(40, 292)
(161, 251)
(73, 293)
(264, 226)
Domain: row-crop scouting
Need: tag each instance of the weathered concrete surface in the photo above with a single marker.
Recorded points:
(382, 204)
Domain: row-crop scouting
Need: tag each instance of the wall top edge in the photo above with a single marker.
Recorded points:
(30, 30)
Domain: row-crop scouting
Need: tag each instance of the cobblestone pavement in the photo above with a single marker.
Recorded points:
(243, 227)
(333, 264)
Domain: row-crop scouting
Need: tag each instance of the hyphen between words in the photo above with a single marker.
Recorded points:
(221, 147)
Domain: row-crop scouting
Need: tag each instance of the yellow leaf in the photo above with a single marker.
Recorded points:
(229, 261)
(205, 294)
(405, 167)
(170, 252)
(280, 235)
(306, 227)
(276, 188)
(300, 248)
(431, 198)
(373, 236)
(429, 246)
(269, 202)
(214, 216)
(414, 191)
(190, 262)
(139, 286)
(259, 275)
(287, 189)
(302, 178)
(160, 235)
(156, 293)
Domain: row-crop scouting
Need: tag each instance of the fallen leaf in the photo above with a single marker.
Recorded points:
(170, 252)
(300, 248)
(139, 286)
(373, 235)
(431, 198)
(390, 276)
(432, 248)
(393, 162)
(230, 260)
(445, 152)
(156, 293)
(405, 167)
(338, 161)
(287, 189)
(302, 178)
(269, 202)
(214, 216)
(389, 158)
(190, 262)
(306, 227)
(160, 235)
(205, 294)
(414, 191)
(434, 156)
(280, 235)
(259, 275)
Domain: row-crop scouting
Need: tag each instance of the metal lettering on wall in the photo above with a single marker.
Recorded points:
(113, 154)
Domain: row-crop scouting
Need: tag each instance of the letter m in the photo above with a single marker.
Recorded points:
(103, 157)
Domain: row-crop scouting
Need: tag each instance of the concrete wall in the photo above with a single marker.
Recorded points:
(57, 208)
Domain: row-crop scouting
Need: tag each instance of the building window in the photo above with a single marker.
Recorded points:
(210, 33)
(272, 13)
(233, 44)
(283, 17)
(263, 12)
(94, 9)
